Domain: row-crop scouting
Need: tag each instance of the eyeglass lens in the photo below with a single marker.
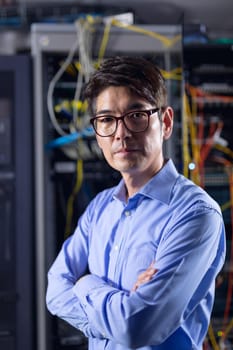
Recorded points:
(134, 121)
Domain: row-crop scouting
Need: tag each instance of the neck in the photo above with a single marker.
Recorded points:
(132, 185)
(133, 182)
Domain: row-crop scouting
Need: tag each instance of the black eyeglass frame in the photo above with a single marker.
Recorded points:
(149, 113)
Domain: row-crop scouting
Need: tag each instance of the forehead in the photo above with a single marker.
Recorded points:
(119, 98)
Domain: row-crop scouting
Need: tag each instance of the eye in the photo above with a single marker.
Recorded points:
(137, 115)
(105, 119)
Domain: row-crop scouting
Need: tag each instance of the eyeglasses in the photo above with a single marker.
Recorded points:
(135, 121)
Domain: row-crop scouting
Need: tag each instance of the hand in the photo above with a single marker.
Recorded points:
(144, 277)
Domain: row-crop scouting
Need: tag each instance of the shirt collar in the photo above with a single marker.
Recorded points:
(159, 187)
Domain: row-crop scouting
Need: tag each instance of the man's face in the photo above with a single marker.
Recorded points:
(128, 152)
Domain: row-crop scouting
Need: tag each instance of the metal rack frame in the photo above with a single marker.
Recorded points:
(59, 38)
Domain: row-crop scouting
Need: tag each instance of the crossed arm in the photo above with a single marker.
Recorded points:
(74, 313)
(96, 308)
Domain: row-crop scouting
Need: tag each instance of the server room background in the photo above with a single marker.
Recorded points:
(50, 165)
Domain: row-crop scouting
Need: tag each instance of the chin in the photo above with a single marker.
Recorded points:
(126, 168)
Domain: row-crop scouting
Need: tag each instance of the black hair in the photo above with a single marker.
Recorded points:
(139, 75)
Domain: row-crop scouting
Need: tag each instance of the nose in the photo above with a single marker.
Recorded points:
(122, 132)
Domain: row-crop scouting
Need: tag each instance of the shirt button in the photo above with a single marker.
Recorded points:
(116, 247)
(127, 213)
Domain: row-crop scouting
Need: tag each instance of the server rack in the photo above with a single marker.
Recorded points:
(208, 72)
(50, 44)
(17, 321)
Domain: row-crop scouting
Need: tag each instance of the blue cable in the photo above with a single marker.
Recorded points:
(66, 139)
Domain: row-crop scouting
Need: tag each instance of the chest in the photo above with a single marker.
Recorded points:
(124, 241)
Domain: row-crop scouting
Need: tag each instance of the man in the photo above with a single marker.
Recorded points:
(139, 270)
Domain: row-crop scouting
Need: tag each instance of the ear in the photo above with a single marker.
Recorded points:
(167, 120)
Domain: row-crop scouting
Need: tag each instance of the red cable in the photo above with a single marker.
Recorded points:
(228, 165)
(230, 276)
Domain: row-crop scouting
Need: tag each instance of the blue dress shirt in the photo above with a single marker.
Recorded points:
(171, 222)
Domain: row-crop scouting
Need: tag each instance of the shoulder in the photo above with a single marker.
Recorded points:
(101, 200)
(180, 193)
(192, 195)
(94, 209)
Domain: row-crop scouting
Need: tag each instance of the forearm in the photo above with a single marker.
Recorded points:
(62, 302)
(122, 317)
(157, 308)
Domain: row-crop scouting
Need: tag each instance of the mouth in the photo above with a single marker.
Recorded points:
(125, 151)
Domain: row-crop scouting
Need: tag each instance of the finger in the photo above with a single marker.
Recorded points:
(143, 278)
(140, 282)
(149, 272)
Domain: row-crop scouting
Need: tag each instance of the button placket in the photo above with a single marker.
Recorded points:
(115, 254)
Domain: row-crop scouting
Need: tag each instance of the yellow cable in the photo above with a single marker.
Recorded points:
(212, 338)
(224, 149)
(70, 202)
(185, 138)
(104, 41)
(228, 328)
(196, 148)
(226, 206)
(175, 74)
(70, 70)
(192, 132)
(166, 41)
(77, 65)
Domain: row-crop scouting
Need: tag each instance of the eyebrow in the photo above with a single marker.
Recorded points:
(133, 106)
(104, 111)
